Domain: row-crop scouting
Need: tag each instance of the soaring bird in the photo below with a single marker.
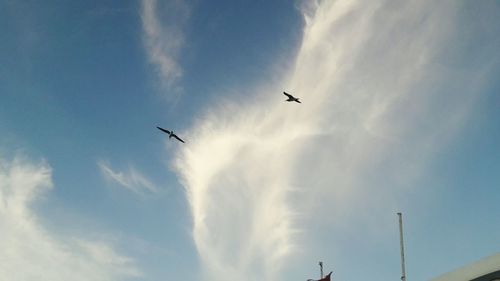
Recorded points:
(170, 134)
(291, 98)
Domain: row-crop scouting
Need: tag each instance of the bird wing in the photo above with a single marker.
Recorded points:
(163, 130)
(288, 95)
(175, 136)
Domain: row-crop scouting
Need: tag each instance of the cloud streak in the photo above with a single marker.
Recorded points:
(30, 251)
(163, 37)
(373, 80)
(131, 180)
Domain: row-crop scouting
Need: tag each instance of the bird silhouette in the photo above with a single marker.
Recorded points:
(291, 98)
(170, 134)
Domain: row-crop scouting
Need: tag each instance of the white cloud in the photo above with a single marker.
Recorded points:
(373, 85)
(30, 251)
(163, 37)
(132, 180)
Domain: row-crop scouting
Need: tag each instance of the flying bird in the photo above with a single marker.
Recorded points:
(170, 134)
(291, 98)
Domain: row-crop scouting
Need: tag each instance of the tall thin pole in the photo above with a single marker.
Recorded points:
(401, 243)
(321, 269)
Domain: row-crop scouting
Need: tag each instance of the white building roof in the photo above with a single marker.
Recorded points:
(473, 271)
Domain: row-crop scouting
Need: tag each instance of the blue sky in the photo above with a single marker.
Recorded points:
(400, 113)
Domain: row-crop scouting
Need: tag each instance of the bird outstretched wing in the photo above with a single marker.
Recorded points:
(175, 136)
(288, 95)
(163, 130)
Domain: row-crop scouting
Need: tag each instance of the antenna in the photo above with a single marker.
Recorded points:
(321, 269)
(401, 243)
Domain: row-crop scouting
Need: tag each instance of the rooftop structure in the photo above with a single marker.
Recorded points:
(487, 269)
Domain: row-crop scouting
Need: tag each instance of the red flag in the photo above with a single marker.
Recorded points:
(327, 277)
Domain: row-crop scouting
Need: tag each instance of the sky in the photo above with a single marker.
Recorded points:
(399, 113)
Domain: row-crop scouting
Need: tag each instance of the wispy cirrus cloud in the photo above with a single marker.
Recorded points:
(373, 80)
(30, 252)
(132, 179)
(163, 37)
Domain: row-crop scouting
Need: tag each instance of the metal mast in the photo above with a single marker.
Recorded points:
(403, 273)
(321, 269)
